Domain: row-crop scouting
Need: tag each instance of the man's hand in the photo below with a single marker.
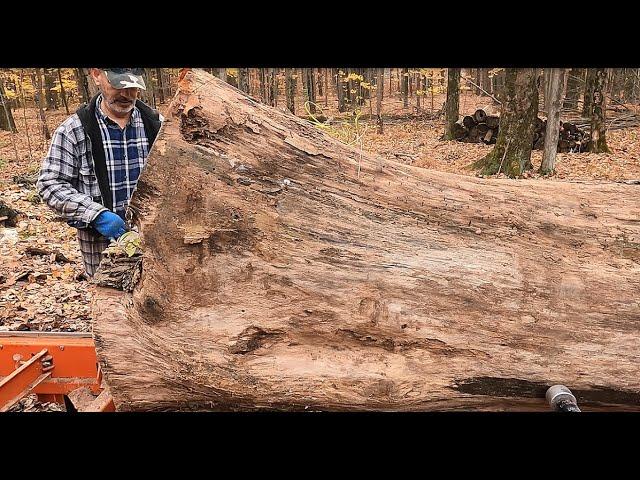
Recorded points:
(110, 225)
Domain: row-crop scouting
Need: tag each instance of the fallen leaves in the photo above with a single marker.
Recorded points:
(38, 269)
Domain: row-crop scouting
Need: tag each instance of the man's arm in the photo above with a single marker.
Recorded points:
(60, 168)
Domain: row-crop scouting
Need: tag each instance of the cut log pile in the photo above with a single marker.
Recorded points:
(478, 128)
(572, 138)
(483, 128)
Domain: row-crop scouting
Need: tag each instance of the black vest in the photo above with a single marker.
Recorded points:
(87, 114)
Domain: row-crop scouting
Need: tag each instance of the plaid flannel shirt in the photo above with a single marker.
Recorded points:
(68, 184)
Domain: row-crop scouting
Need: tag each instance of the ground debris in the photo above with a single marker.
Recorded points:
(30, 403)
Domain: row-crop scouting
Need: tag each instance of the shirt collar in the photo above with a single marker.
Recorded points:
(107, 120)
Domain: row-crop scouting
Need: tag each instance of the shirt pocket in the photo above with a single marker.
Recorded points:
(88, 183)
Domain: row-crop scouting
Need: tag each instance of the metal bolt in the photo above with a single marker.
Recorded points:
(561, 399)
(61, 347)
(17, 357)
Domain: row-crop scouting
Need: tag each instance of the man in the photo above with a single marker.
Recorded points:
(96, 157)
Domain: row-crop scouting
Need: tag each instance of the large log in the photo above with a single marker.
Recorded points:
(285, 270)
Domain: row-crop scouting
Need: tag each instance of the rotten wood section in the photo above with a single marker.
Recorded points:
(284, 270)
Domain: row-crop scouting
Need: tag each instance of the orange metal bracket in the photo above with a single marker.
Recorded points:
(22, 380)
(71, 357)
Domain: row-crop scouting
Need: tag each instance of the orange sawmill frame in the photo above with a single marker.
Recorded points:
(49, 364)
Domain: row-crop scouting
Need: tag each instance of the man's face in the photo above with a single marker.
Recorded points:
(118, 101)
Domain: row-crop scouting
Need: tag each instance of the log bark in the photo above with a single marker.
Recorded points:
(285, 270)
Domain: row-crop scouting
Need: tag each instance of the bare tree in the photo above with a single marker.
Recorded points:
(263, 85)
(512, 152)
(310, 86)
(573, 88)
(553, 121)
(587, 104)
(149, 95)
(453, 101)
(160, 88)
(24, 112)
(37, 80)
(274, 87)
(82, 85)
(63, 94)
(243, 79)
(6, 117)
(598, 143)
(326, 87)
(379, 96)
(51, 96)
(290, 90)
(405, 87)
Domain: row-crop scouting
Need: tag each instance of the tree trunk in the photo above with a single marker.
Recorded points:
(453, 100)
(149, 95)
(628, 84)
(275, 277)
(274, 87)
(512, 153)
(405, 87)
(553, 122)
(63, 93)
(81, 82)
(263, 86)
(598, 142)
(486, 82)
(573, 88)
(51, 95)
(546, 73)
(617, 82)
(326, 87)
(418, 77)
(290, 90)
(318, 79)
(379, 97)
(243, 81)
(7, 122)
(390, 83)
(310, 85)
(587, 105)
(37, 81)
(24, 113)
(91, 85)
(160, 85)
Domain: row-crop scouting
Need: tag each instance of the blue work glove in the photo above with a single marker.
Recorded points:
(110, 225)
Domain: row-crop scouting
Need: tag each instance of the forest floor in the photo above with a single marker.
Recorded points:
(40, 290)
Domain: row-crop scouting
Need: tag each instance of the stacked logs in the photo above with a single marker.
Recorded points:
(477, 128)
(483, 128)
(571, 139)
